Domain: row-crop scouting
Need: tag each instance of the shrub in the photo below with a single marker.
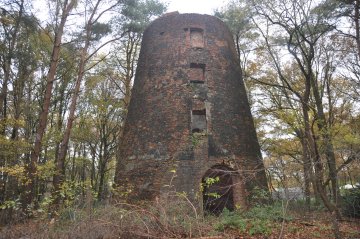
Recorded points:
(351, 203)
(257, 220)
(231, 220)
(260, 227)
(268, 212)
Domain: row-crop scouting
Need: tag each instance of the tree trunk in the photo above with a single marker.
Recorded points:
(7, 61)
(59, 175)
(102, 168)
(307, 172)
(329, 148)
(31, 166)
(357, 25)
(7, 67)
(308, 150)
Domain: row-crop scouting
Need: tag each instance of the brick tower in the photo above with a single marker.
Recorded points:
(189, 113)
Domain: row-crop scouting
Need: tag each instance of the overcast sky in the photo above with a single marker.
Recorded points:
(182, 6)
(194, 6)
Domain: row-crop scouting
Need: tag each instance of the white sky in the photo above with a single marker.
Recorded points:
(182, 6)
(194, 6)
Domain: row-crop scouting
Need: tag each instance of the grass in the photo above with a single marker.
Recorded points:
(176, 217)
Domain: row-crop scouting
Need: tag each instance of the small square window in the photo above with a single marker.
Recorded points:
(197, 37)
(197, 73)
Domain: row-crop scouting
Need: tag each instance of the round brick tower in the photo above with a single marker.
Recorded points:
(189, 116)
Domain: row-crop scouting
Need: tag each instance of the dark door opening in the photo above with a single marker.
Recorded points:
(218, 190)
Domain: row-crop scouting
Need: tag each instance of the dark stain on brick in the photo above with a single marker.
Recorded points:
(214, 150)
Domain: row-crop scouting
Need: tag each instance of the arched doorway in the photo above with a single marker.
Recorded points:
(218, 189)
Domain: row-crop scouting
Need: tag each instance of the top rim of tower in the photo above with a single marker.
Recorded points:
(175, 14)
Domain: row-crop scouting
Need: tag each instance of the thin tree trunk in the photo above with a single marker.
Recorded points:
(357, 25)
(59, 175)
(307, 173)
(329, 148)
(7, 68)
(308, 148)
(3, 96)
(101, 180)
(31, 166)
(4, 92)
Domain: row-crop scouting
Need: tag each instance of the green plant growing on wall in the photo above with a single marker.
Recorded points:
(207, 183)
(196, 138)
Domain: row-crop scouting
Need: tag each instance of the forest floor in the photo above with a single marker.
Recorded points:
(144, 222)
(313, 225)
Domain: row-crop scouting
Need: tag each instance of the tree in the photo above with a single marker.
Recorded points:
(66, 8)
(238, 17)
(93, 31)
(18, 61)
(300, 26)
(106, 112)
(11, 24)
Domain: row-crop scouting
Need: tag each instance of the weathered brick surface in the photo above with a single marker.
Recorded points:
(188, 65)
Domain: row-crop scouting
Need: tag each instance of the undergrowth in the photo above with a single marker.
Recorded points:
(174, 216)
(257, 220)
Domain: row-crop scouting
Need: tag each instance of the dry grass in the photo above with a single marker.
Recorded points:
(173, 217)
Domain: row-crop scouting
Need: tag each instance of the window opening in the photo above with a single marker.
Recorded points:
(196, 81)
(198, 121)
(197, 73)
(197, 37)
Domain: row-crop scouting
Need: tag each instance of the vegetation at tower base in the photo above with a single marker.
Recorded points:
(176, 217)
(189, 113)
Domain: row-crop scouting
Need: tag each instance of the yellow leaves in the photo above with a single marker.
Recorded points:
(351, 139)
(345, 135)
(46, 170)
(13, 148)
(288, 116)
(182, 194)
(42, 42)
(210, 181)
(7, 21)
(11, 122)
(252, 68)
(14, 204)
(284, 146)
(15, 171)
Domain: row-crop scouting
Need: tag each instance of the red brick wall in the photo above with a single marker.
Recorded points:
(187, 62)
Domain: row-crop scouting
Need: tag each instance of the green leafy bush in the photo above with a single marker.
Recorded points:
(257, 220)
(259, 196)
(260, 227)
(351, 203)
(273, 212)
(231, 220)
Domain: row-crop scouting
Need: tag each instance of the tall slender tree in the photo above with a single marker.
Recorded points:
(66, 7)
